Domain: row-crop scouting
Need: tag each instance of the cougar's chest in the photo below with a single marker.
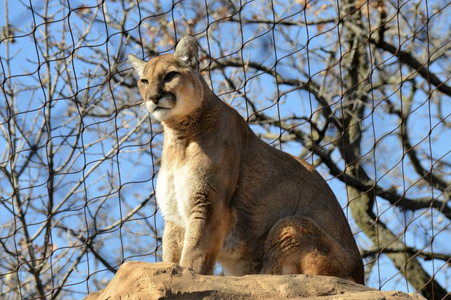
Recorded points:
(175, 185)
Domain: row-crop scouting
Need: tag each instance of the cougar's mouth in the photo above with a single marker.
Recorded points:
(166, 102)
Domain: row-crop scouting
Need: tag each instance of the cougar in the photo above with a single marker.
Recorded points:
(226, 196)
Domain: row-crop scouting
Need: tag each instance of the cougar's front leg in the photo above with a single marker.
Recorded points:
(173, 237)
(204, 235)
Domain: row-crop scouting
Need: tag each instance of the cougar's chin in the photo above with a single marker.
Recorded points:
(158, 112)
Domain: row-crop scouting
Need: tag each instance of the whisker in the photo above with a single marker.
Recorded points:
(142, 110)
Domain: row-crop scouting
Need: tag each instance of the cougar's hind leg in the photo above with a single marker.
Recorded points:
(296, 245)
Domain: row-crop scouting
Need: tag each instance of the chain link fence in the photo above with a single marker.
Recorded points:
(359, 89)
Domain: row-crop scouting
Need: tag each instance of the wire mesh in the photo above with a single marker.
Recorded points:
(360, 89)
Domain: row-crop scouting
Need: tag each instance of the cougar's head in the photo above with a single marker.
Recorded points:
(171, 84)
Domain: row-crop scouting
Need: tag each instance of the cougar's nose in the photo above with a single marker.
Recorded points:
(154, 93)
(155, 98)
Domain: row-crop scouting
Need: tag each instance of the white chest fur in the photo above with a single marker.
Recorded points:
(175, 188)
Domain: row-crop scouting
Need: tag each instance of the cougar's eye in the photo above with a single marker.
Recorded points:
(170, 76)
(144, 81)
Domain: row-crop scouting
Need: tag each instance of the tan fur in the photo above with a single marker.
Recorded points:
(229, 197)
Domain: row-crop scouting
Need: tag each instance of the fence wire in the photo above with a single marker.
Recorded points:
(360, 89)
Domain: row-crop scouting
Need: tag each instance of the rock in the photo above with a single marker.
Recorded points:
(139, 280)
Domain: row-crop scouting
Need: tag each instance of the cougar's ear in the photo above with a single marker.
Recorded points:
(187, 52)
(138, 64)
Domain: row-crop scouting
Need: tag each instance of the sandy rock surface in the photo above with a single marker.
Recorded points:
(140, 280)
